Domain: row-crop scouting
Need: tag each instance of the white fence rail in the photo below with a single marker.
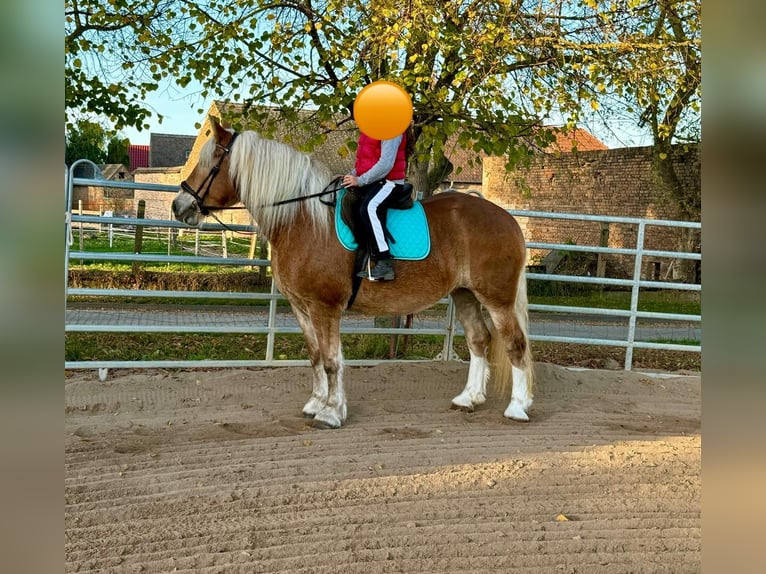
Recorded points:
(273, 323)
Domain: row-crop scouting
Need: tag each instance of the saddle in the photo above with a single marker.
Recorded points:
(401, 198)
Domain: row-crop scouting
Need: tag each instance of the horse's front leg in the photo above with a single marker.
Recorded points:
(318, 397)
(326, 323)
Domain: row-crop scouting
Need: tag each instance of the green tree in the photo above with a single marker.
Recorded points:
(638, 60)
(86, 140)
(117, 150)
(483, 74)
(113, 50)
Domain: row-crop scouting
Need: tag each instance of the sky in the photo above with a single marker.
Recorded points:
(179, 111)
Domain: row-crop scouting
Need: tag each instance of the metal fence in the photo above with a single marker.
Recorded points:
(278, 323)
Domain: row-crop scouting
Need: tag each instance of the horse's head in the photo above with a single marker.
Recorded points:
(209, 186)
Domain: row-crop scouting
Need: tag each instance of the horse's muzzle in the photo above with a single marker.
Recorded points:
(184, 209)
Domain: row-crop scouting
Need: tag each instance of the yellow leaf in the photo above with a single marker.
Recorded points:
(594, 104)
(561, 518)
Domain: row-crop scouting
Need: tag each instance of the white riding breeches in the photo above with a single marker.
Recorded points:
(372, 214)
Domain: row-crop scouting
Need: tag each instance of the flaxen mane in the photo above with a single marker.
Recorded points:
(266, 172)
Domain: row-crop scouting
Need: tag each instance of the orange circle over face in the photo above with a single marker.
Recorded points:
(382, 110)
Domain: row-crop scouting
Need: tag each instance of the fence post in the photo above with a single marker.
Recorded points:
(79, 226)
(171, 236)
(448, 351)
(79, 212)
(224, 244)
(251, 251)
(270, 338)
(640, 235)
(139, 233)
(265, 254)
(603, 242)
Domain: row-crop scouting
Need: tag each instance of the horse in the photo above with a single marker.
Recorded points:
(477, 257)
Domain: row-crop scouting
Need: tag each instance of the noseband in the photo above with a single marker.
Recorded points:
(204, 188)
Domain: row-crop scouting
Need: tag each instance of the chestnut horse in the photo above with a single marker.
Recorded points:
(478, 257)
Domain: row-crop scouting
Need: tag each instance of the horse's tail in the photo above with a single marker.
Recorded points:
(501, 374)
(522, 316)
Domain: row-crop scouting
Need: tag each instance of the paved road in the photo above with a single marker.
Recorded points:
(240, 319)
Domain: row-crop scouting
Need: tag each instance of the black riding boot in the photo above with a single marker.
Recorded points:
(383, 271)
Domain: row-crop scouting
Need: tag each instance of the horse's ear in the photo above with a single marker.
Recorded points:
(218, 130)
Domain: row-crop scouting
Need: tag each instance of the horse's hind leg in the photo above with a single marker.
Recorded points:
(468, 312)
(511, 325)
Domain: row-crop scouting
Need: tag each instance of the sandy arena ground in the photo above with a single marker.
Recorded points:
(192, 471)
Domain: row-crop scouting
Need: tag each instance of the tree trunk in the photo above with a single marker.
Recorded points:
(686, 202)
(419, 178)
(426, 176)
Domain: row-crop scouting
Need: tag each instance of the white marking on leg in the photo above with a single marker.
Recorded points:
(334, 412)
(521, 398)
(319, 392)
(475, 391)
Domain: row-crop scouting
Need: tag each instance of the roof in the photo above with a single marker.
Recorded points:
(575, 140)
(115, 171)
(332, 151)
(169, 150)
(139, 156)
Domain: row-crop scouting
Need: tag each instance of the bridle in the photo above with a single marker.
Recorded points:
(204, 188)
(199, 196)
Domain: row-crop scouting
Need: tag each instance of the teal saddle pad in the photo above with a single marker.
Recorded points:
(408, 227)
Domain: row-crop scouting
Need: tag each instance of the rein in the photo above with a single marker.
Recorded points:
(326, 191)
(331, 187)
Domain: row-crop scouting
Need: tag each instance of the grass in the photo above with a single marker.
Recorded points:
(166, 346)
(686, 303)
(81, 346)
(691, 342)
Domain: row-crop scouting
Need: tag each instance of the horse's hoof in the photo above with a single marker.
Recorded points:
(467, 402)
(525, 419)
(312, 407)
(516, 412)
(323, 424)
(327, 419)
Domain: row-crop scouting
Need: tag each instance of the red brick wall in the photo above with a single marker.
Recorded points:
(617, 182)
